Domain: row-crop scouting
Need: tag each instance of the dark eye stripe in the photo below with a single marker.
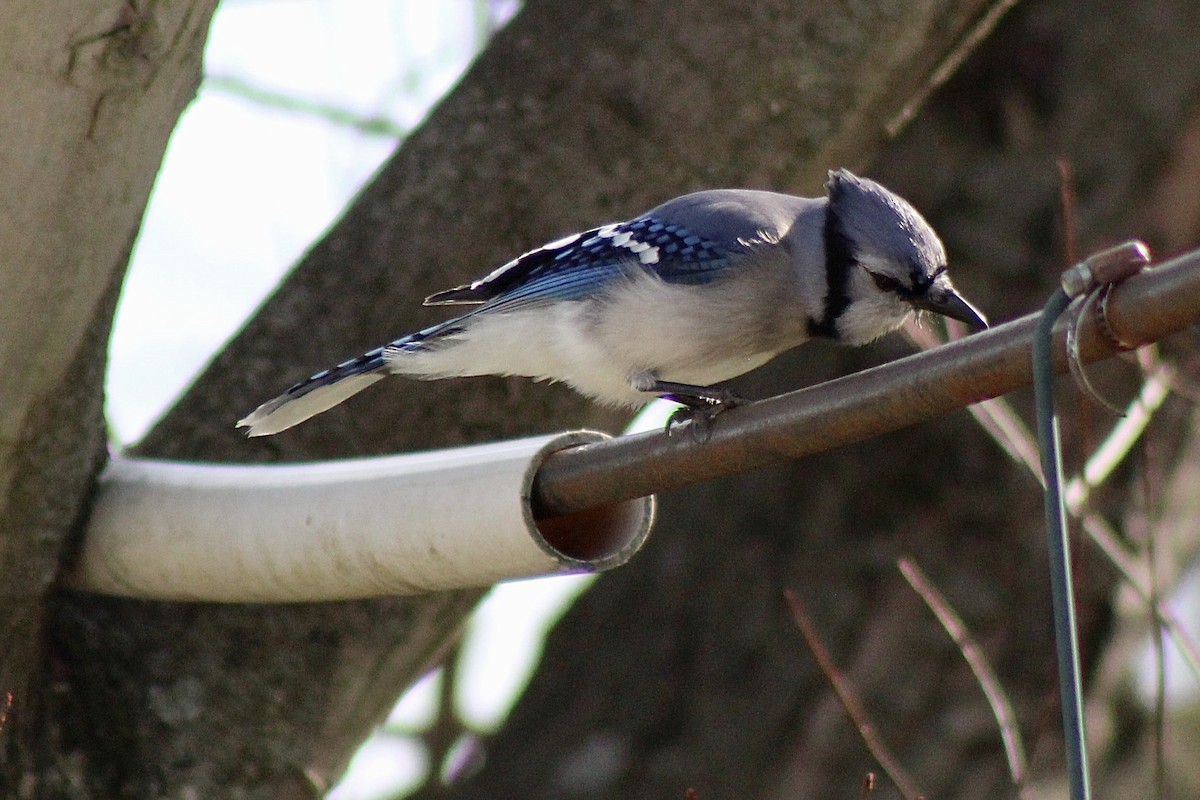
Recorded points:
(886, 283)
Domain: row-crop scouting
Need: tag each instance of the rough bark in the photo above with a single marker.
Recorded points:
(685, 669)
(579, 112)
(89, 96)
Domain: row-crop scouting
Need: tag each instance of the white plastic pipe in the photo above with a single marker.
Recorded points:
(425, 522)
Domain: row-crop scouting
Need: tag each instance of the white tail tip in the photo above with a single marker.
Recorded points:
(284, 412)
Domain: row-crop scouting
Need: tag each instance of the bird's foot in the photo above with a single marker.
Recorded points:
(700, 404)
(698, 409)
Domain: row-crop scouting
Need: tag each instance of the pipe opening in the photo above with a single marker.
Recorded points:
(591, 539)
(604, 536)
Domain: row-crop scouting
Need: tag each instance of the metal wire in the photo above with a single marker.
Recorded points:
(1059, 546)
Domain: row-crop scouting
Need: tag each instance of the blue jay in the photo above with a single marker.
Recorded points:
(696, 291)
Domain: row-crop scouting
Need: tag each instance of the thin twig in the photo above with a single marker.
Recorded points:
(868, 786)
(1149, 499)
(949, 65)
(1006, 717)
(850, 702)
(1124, 435)
(1107, 540)
(5, 705)
(372, 125)
(1066, 193)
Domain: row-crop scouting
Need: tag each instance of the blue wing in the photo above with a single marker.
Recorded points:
(575, 266)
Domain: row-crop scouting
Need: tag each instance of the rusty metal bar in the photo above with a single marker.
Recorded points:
(1143, 309)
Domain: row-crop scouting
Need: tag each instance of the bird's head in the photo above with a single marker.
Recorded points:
(889, 262)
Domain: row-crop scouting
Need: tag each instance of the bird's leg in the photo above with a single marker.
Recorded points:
(701, 404)
(703, 397)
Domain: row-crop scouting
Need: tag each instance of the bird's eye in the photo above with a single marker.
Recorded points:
(887, 283)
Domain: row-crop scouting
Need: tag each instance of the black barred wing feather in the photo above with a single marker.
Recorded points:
(576, 266)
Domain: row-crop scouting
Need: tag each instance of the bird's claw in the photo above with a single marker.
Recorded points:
(697, 411)
(700, 405)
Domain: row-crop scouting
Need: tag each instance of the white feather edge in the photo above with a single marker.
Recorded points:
(283, 412)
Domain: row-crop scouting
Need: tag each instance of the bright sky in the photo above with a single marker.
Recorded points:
(245, 188)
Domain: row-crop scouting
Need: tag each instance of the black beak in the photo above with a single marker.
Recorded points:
(950, 304)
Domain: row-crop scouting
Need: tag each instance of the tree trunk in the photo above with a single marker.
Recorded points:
(89, 96)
